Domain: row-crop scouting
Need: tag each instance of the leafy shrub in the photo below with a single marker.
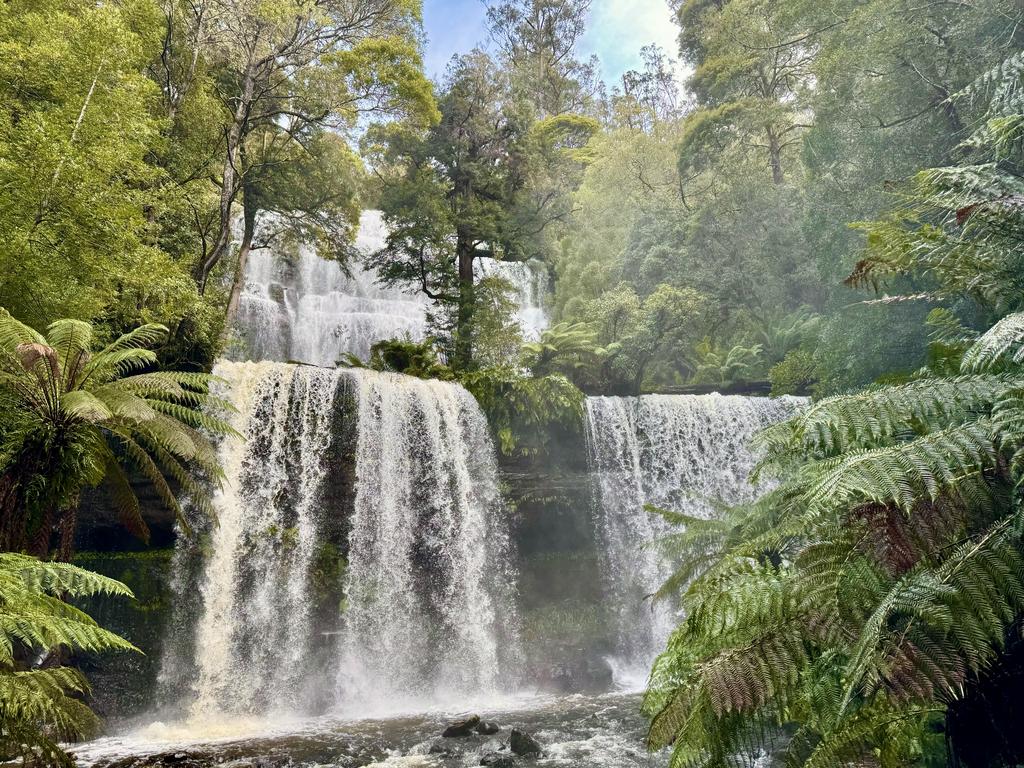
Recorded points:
(529, 416)
(413, 358)
(795, 375)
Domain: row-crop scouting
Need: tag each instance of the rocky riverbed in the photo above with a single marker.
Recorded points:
(569, 732)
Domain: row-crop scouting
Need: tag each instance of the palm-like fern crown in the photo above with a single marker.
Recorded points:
(41, 706)
(562, 348)
(884, 575)
(77, 417)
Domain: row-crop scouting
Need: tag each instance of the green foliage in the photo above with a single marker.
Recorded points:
(413, 358)
(869, 596)
(725, 367)
(75, 416)
(636, 335)
(131, 131)
(495, 334)
(960, 225)
(537, 40)
(802, 114)
(41, 702)
(529, 416)
(569, 349)
(447, 202)
(795, 374)
(79, 129)
(488, 180)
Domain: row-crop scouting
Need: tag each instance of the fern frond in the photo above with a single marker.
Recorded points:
(14, 332)
(84, 405)
(123, 498)
(1003, 342)
(866, 419)
(902, 473)
(60, 578)
(110, 365)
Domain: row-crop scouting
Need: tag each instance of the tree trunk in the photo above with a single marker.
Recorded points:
(10, 539)
(66, 528)
(464, 319)
(229, 184)
(248, 232)
(464, 246)
(775, 157)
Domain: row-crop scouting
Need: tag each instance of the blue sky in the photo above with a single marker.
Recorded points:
(616, 31)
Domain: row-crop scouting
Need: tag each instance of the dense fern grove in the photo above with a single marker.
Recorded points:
(868, 609)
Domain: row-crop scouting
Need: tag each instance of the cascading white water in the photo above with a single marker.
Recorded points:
(303, 308)
(255, 633)
(529, 279)
(429, 612)
(307, 309)
(677, 452)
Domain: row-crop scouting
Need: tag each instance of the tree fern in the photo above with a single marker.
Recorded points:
(1003, 343)
(866, 593)
(40, 707)
(75, 417)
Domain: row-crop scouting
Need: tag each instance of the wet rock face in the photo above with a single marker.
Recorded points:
(578, 672)
(524, 745)
(462, 728)
(486, 728)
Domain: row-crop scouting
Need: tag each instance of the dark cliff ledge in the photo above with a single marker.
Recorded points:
(125, 684)
(100, 528)
(754, 388)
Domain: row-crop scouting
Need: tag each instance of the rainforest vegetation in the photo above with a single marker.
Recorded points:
(828, 201)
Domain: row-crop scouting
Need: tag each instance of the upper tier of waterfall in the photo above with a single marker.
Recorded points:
(300, 307)
(529, 282)
(677, 452)
(359, 555)
(305, 308)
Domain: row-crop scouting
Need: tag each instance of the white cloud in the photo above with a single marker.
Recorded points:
(618, 29)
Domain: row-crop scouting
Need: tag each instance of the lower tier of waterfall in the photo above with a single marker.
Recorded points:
(359, 555)
(677, 452)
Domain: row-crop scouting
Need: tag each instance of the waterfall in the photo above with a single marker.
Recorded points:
(300, 307)
(678, 452)
(306, 308)
(529, 282)
(255, 629)
(431, 614)
(424, 609)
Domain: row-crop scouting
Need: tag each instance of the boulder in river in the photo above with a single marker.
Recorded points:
(523, 744)
(487, 728)
(439, 747)
(497, 760)
(462, 728)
